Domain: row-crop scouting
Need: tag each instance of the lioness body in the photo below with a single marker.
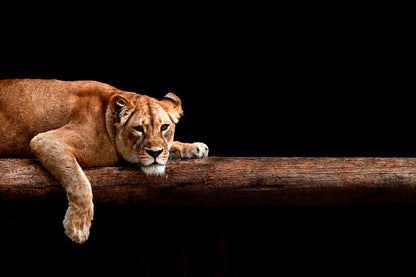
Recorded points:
(67, 125)
(31, 107)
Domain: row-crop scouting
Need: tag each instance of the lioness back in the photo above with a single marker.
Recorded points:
(32, 106)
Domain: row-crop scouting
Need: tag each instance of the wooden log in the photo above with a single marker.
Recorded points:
(230, 181)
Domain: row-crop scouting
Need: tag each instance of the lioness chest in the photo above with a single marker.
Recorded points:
(29, 107)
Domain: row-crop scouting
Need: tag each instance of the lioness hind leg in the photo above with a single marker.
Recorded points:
(180, 150)
(54, 152)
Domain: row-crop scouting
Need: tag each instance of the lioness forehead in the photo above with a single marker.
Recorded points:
(150, 113)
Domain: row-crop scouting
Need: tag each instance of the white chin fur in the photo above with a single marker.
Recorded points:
(156, 169)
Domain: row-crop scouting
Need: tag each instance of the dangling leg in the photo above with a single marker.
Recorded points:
(55, 151)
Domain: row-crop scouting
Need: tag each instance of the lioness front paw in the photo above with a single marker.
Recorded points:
(199, 150)
(77, 223)
(180, 150)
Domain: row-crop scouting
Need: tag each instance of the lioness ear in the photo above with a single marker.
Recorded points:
(121, 108)
(174, 106)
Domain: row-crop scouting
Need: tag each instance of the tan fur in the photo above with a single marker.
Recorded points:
(69, 125)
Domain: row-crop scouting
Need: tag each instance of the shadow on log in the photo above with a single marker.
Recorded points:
(230, 181)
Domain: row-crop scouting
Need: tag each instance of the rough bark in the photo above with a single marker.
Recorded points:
(230, 181)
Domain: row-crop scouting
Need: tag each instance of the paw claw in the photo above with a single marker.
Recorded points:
(201, 150)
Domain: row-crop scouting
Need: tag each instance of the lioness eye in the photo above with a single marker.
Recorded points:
(164, 127)
(138, 129)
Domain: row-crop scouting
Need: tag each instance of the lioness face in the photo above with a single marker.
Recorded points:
(145, 130)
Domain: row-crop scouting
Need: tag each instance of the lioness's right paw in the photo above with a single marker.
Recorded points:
(77, 224)
(199, 150)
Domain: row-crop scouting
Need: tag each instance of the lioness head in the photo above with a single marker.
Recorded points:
(145, 128)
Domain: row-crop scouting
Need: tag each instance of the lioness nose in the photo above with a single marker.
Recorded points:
(154, 152)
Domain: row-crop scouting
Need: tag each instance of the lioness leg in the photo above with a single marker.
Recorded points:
(180, 150)
(55, 151)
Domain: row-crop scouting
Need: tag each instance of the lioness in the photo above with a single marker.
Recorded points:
(68, 125)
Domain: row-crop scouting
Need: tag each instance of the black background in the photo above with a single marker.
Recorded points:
(254, 81)
(277, 103)
(340, 89)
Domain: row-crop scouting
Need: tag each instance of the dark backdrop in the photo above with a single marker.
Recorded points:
(289, 80)
(260, 81)
(272, 99)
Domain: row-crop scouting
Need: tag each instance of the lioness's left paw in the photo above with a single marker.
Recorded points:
(199, 150)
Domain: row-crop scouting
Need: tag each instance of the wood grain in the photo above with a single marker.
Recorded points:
(230, 181)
